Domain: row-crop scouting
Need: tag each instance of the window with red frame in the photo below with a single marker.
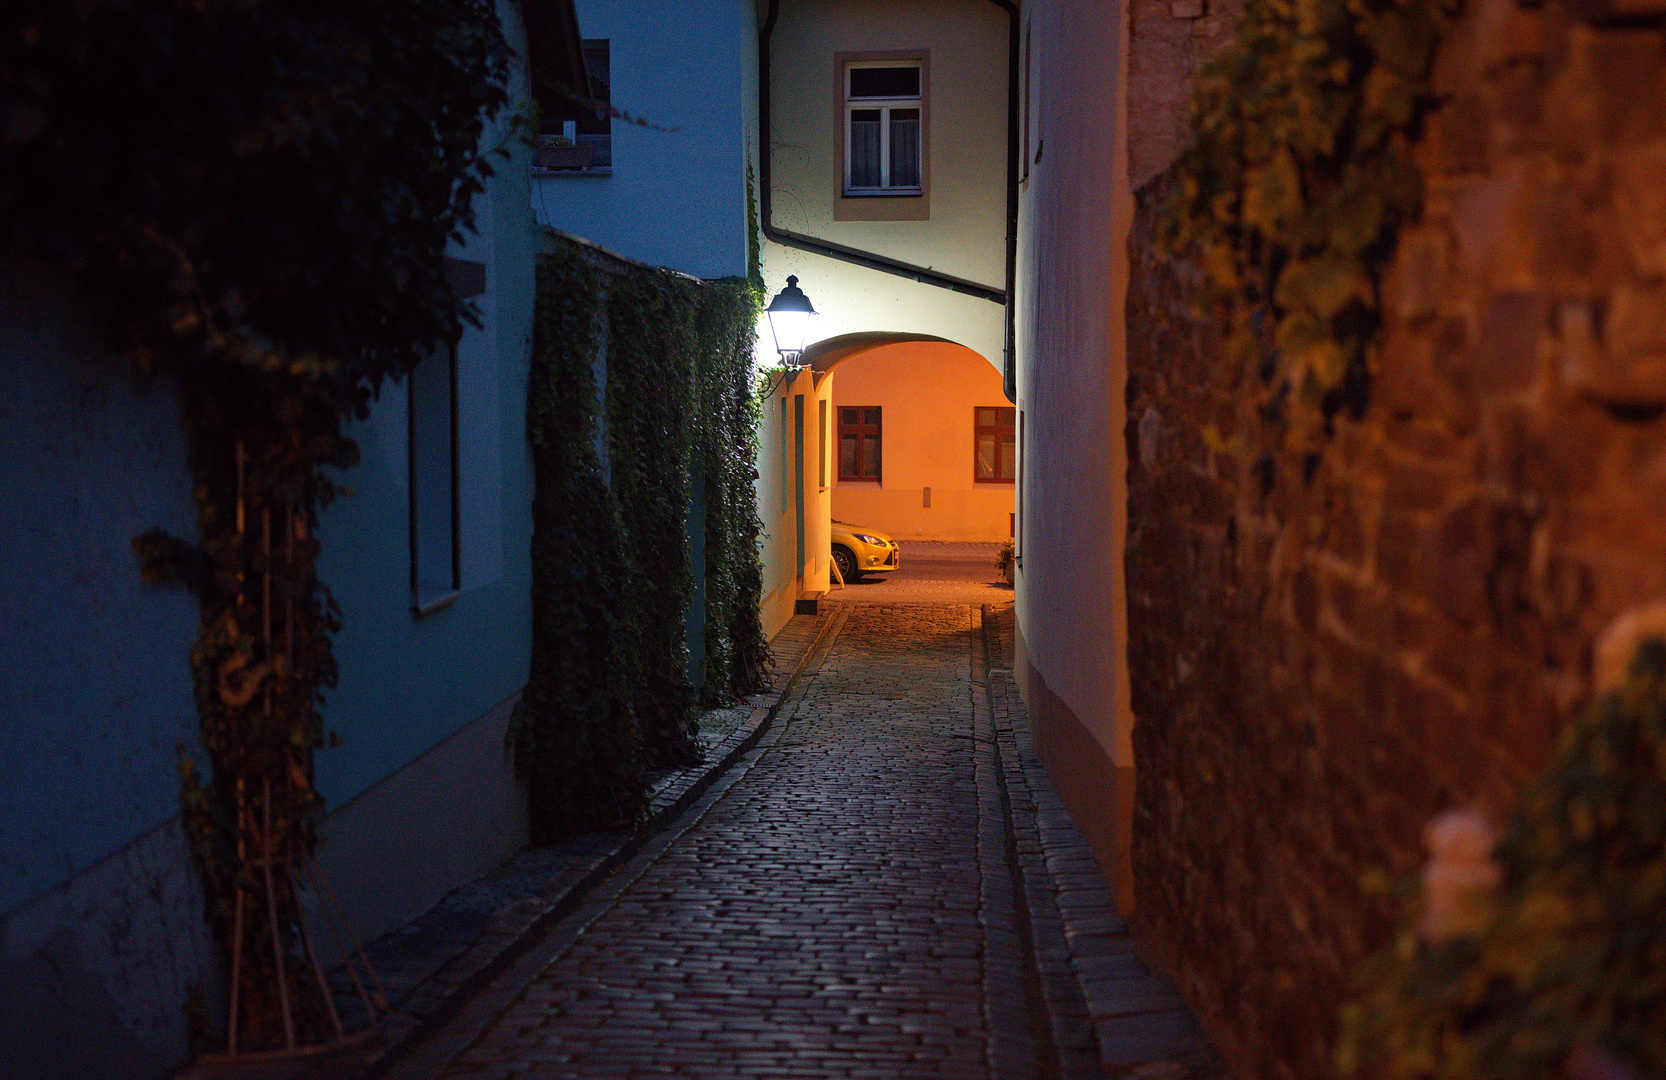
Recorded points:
(859, 442)
(994, 445)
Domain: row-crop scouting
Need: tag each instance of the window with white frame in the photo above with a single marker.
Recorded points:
(884, 127)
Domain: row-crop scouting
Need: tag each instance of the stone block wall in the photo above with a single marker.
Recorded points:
(1321, 664)
(1168, 41)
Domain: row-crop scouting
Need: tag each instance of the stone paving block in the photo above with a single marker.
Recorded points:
(1112, 967)
(1130, 1041)
(1127, 997)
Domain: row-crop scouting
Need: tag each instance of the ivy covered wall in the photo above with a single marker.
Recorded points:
(639, 411)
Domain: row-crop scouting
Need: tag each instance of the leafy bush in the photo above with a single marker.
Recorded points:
(1566, 969)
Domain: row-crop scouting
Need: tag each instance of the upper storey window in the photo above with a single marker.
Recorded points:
(884, 123)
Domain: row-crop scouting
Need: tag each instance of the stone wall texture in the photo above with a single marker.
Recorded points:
(1168, 40)
(1319, 668)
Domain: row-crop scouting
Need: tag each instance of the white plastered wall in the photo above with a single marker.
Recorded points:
(1075, 211)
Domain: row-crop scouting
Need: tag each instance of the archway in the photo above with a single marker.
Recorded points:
(921, 438)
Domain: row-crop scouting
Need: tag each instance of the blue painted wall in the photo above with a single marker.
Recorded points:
(101, 929)
(677, 198)
(95, 690)
(101, 934)
(408, 682)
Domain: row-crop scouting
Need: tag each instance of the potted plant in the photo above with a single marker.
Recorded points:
(559, 152)
(1004, 561)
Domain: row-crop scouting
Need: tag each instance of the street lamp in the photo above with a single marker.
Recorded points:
(789, 320)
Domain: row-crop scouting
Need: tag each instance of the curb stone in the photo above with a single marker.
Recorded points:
(597, 857)
(1009, 982)
(1095, 988)
(483, 1008)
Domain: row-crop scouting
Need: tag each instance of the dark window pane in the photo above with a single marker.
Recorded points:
(1009, 459)
(850, 416)
(905, 149)
(433, 477)
(598, 67)
(986, 457)
(871, 416)
(596, 129)
(885, 82)
(1009, 417)
(847, 455)
(986, 417)
(870, 461)
(864, 148)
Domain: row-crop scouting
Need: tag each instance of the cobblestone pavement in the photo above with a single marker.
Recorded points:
(932, 573)
(853, 899)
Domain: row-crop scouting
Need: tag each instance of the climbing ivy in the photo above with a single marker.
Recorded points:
(1567, 975)
(610, 693)
(1297, 185)
(575, 738)
(651, 413)
(737, 654)
(258, 198)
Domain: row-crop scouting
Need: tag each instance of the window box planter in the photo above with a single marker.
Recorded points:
(564, 157)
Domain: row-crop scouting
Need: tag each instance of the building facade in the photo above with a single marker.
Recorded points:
(882, 188)
(104, 955)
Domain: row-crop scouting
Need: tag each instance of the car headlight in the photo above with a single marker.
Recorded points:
(873, 540)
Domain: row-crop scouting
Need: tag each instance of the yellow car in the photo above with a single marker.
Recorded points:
(859, 550)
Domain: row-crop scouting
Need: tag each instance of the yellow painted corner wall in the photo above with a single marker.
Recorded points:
(927, 391)
(784, 582)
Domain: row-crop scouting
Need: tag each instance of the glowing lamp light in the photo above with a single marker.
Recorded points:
(789, 321)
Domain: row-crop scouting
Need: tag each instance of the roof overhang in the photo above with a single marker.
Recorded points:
(555, 59)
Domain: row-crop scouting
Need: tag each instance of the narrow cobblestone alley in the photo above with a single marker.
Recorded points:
(843, 903)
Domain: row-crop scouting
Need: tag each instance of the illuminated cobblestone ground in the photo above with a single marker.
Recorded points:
(855, 898)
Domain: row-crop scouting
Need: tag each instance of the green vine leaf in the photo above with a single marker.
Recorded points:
(609, 695)
(1293, 193)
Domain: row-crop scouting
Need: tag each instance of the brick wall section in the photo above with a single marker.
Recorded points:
(1317, 672)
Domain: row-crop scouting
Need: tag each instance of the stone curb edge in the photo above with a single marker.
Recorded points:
(665, 808)
(1142, 1028)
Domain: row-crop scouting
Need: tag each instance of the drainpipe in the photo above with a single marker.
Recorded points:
(1009, 364)
(884, 264)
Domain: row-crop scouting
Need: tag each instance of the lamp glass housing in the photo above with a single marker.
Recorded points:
(789, 320)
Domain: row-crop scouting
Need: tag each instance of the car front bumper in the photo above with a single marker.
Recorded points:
(875, 560)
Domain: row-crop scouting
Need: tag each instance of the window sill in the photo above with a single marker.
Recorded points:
(427, 605)
(600, 170)
(874, 480)
(882, 206)
(980, 480)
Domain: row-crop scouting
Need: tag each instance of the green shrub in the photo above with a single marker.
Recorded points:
(1570, 957)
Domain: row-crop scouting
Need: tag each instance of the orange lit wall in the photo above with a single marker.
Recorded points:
(927, 391)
